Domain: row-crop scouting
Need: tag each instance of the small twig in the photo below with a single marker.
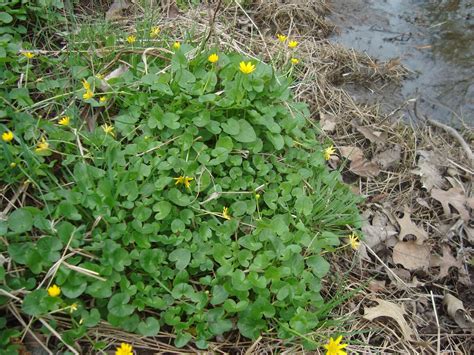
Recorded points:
(455, 134)
(56, 334)
(254, 345)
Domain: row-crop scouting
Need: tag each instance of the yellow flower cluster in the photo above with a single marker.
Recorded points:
(54, 291)
(155, 31)
(42, 146)
(89, 94)
(328, 152)
(28, 55)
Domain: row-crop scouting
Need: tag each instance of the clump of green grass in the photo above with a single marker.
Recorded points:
(185, 192)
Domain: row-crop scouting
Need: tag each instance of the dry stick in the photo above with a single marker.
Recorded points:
(254, 345)
(17, 315)
(456, 135)
(438, 348)
(56, 334)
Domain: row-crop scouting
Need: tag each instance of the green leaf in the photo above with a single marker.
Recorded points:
(181, 256)
(231, 126)
(304, 205)
(118, 305)
(319, 265)
(246, 133)
(20, 221)
(149, 328)
(5, 17)
(182, 339)
(34, 302)
(170, 120)
(219, 295)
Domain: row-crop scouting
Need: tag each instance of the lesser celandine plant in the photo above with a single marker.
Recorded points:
(195, 199)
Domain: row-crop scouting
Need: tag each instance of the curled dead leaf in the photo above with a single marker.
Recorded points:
(390, 310)
(411, 256)
(122, 69)
(458, 313)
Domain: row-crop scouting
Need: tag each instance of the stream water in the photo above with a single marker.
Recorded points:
(433, 39)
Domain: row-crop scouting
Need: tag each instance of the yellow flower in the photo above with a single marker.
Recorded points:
(246, 68)
(124, 349)
(334, 348)
(64, 121)
(213, 58)
(108, 129)
(294, 61)
(28, 55)
(131, 39)
(293, 44)
(185, 180)
(99, 76)
(43, 146)
(7, 136)
(88, 95)
(73, 307)
(257, 196)
(354, 241)
(282, 38)
(102, 99)
(176, 45)
(225, 213)
(12, 165)
(155, 31)
(86, 85)
(54, 291)
(328, 152)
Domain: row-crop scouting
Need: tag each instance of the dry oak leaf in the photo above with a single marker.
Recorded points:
(351, 153)
(364, 168)
(429, 169)
(379, 231)
(411, 256)
(390, 310)
(115, 11)
(453, 197)
(456, 310)
(373, 135)
(328, 122)
(389, 157)
(446, 262)
(408, 227)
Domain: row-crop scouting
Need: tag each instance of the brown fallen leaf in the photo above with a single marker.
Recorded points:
(455, 198)
(389, 157)
(458, 313)
(115, 11)
(328, 122)
(411, 256)
(446, 262)
(378, 231)
(104, 85)
(351, 153)
(377, 285)
(429, 169)
(373, 135)
(364, 168)
(390, 310)
(408, 227)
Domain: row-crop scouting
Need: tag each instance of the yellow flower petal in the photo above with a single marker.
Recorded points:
(246, 68)
(176, 45)
(54, 291)
(213, 58)
(7, 136)
(292, 44)
(64, 121)
(131, 39)
(281, 38)
(124, 349)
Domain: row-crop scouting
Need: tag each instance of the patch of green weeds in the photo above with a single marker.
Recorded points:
(179, 195)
